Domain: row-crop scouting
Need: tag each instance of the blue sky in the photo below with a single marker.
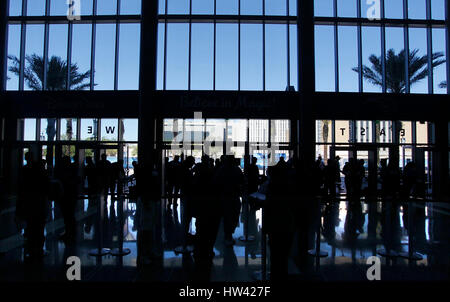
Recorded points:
(227, 51)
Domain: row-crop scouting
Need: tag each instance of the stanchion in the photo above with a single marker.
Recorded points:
(262, 275)
(120, 251)
(184, 248)
(100, 251)
(246, 237)
(317, 252)
(410, 254)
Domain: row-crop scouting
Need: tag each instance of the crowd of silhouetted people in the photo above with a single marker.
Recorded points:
(213, 191)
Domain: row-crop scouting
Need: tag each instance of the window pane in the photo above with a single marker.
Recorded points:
(251, 57)
(405, 132)
(227, 57)
(251, 7)
(173, 130)
(346, 8)
(395, 72)
(417, 9)
(129, 50)
(323, 8)
(160, 57)
(59, 8)
(439, 72)
(348, 58)
(68, 131)
(105, 56)
(293, 57)
(89, 129)
(36, 8)
(193, 130)
(418, 49)
(324, 58)
(203, 7)
(202, 56)
(110, 129)
(259, 131)
(393, 9)
(29, 129)
(215, 130)
(81, 56)
(48, 129)
(383, 131)
(13, 57)
(276, 8)
(227, 7)
(57, 57)
(280, 131)
(106, 7)
(177, 56)
(130, 7)
(237, 130)
(292, 7)
(178, 7)
(34, 52)
(371, 59)
(324, 130)
(86, 7)
(342, 132)
(129, 130)
(438, 9)
(276, 57)
(363, 131)
(15, 7)
(161, 7)
(422, 132)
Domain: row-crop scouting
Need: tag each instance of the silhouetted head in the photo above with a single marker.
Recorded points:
(28, 157)
(104, 156)
(89, 160)
(254, 160)
(134, 163)
(176, 158)
(282, 159)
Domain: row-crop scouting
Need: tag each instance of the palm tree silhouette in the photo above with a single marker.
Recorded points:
(57, 69)
(395, 69)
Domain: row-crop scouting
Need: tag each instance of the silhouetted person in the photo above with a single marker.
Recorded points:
(68, 175)
(104, 170)
(330, 178)
(253, 176)
(93, 189)
(187, 196)
(279, 217)
(118, 176)
(31, 205)
(173, 178)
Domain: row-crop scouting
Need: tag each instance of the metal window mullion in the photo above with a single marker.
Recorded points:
(214, 49)
(336, 50)
(93, 42)
(190, 46)
(116, 54)
(23, 34)
(239, 45)
(383, 49)
(264, 47)
(288, 42)
(165, 49)
(447, 42)
(430, 51)
(359, 29)
(406, 46)
(46, 45)
(69, 54)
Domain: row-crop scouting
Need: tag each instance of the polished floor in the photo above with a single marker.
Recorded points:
(350, 233)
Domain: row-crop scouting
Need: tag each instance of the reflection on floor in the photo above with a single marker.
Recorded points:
(350, 233)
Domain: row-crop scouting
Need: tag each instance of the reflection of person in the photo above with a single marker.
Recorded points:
(31, 205)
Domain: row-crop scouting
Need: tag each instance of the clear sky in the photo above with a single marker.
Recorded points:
(276, 51)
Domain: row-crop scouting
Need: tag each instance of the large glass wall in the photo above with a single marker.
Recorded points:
(79, 52)
(227, 45)
(359, 47)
